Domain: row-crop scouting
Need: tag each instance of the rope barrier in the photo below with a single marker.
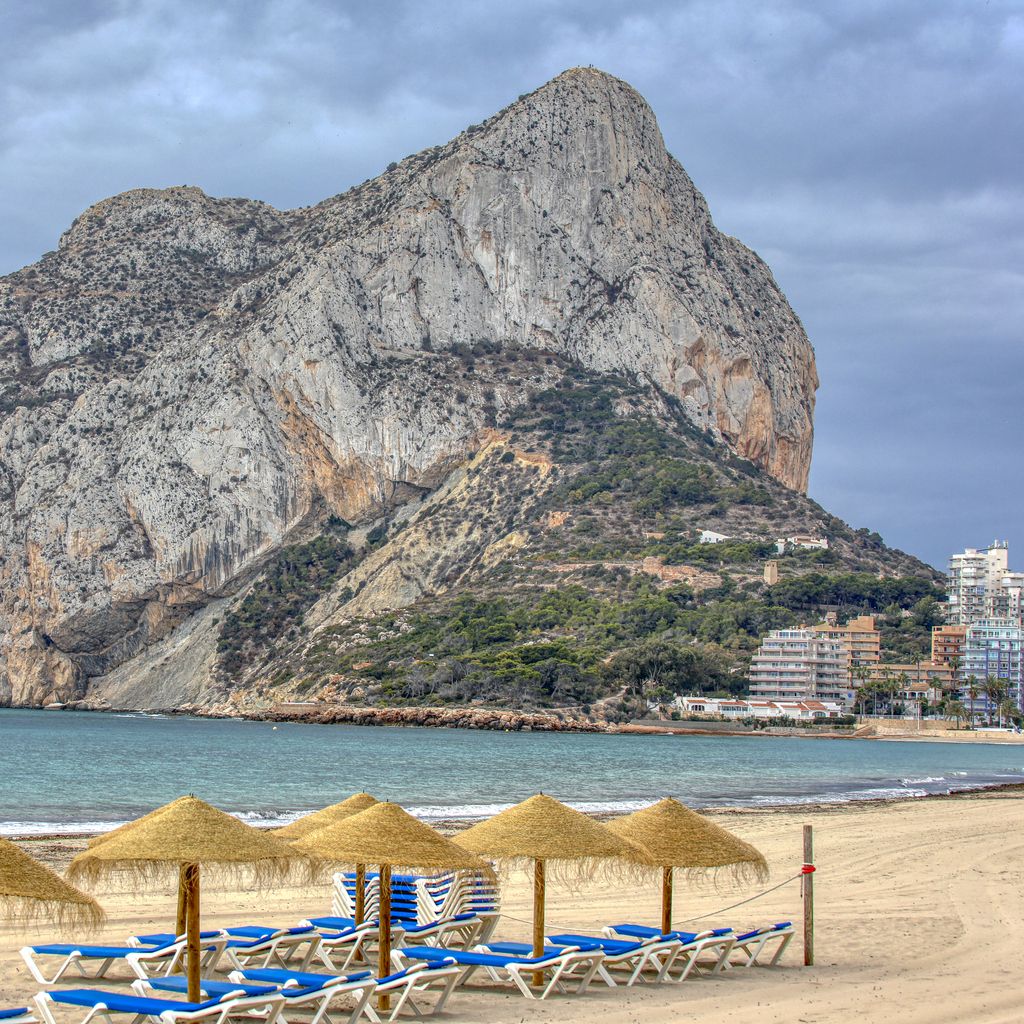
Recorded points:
(807, 869)
(749, 899)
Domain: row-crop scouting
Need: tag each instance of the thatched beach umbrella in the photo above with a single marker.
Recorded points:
(179, 918)
(392, 838)
(677, 837)
(30, 890)
(184, 836)
(544, 833)
(328, 816)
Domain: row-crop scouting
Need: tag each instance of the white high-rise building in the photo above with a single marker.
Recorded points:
(801, 664)
(981, 586)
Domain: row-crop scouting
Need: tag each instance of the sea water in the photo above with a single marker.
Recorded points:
(78, 772)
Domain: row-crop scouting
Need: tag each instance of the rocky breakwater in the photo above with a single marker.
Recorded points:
(437, 718)
(188, 383)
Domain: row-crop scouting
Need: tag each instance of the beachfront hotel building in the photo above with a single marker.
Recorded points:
(800, 665)
(994, 647)
(980, 585)
(948, 644)
(860, 639)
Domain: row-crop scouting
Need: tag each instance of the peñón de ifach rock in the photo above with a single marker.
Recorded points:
(187, 382)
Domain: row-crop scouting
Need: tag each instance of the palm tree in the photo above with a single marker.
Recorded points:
(995, 691)
(956, 712)
(862, 675)
(972, 692)
(1008, 711)
(901, 682)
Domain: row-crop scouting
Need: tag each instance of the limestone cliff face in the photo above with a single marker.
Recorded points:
(186, 382)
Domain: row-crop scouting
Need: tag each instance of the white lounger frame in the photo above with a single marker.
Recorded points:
(753, 948)
(143, 963)
(253, 1008)
(279, 949)
(571, 970)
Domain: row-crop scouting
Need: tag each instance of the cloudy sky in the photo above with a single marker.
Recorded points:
(871, 152)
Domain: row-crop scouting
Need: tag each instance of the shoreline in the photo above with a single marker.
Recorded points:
(453, 825)
(499, 720)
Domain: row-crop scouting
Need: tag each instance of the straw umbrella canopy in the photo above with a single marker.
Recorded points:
(129, 825)
(324, 817)
(30, 890)
(676, 837)
(328, 816)
(386, 835)
(543, 832)
(183, 837)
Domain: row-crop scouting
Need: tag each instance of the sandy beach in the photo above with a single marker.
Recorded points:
(919, 905)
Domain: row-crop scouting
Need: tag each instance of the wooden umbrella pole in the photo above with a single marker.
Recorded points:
(384, 948)
(179, 923)
(538, 916)
(666, 900)
(191, 873)
(360, 893)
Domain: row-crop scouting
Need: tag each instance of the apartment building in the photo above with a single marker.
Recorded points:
(948, 644)
(801, 664)
(979, 584)
(995, 647)
(859, 637)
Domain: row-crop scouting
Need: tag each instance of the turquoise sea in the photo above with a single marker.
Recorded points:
(77, 772)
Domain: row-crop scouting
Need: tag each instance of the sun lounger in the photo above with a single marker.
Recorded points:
(109, 1006)
(315, 1003)
(639, 959)
(19, 1016)
(570, 967)
(260, 946)
(409, 983)
(754, 945)
(699, 953)
(96, 961)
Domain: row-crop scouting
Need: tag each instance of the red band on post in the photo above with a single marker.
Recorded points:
(808, 869)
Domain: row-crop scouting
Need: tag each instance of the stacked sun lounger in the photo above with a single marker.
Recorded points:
(419, 898)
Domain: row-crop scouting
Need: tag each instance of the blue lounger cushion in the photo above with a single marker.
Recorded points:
(120, 1003)
(526, 948)
(281, 976)
(346, 924)
(259, 931)
(166, 938)
(614, 946)
(643, 931)
(5, 1014)
(213, 989)
(97, 952)
(467, 958)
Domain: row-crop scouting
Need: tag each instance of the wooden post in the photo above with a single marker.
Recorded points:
(384, 946)
(538, 916)
(808, 880)
(191, 873)
(666, 900)
(360, 893)
(179, 922)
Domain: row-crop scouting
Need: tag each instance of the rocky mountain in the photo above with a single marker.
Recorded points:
(191, 388)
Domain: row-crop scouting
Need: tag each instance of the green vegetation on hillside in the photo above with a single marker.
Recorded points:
(273, 608)
(573, 616)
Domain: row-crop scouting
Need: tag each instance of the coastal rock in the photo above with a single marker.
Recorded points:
(189, 383)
